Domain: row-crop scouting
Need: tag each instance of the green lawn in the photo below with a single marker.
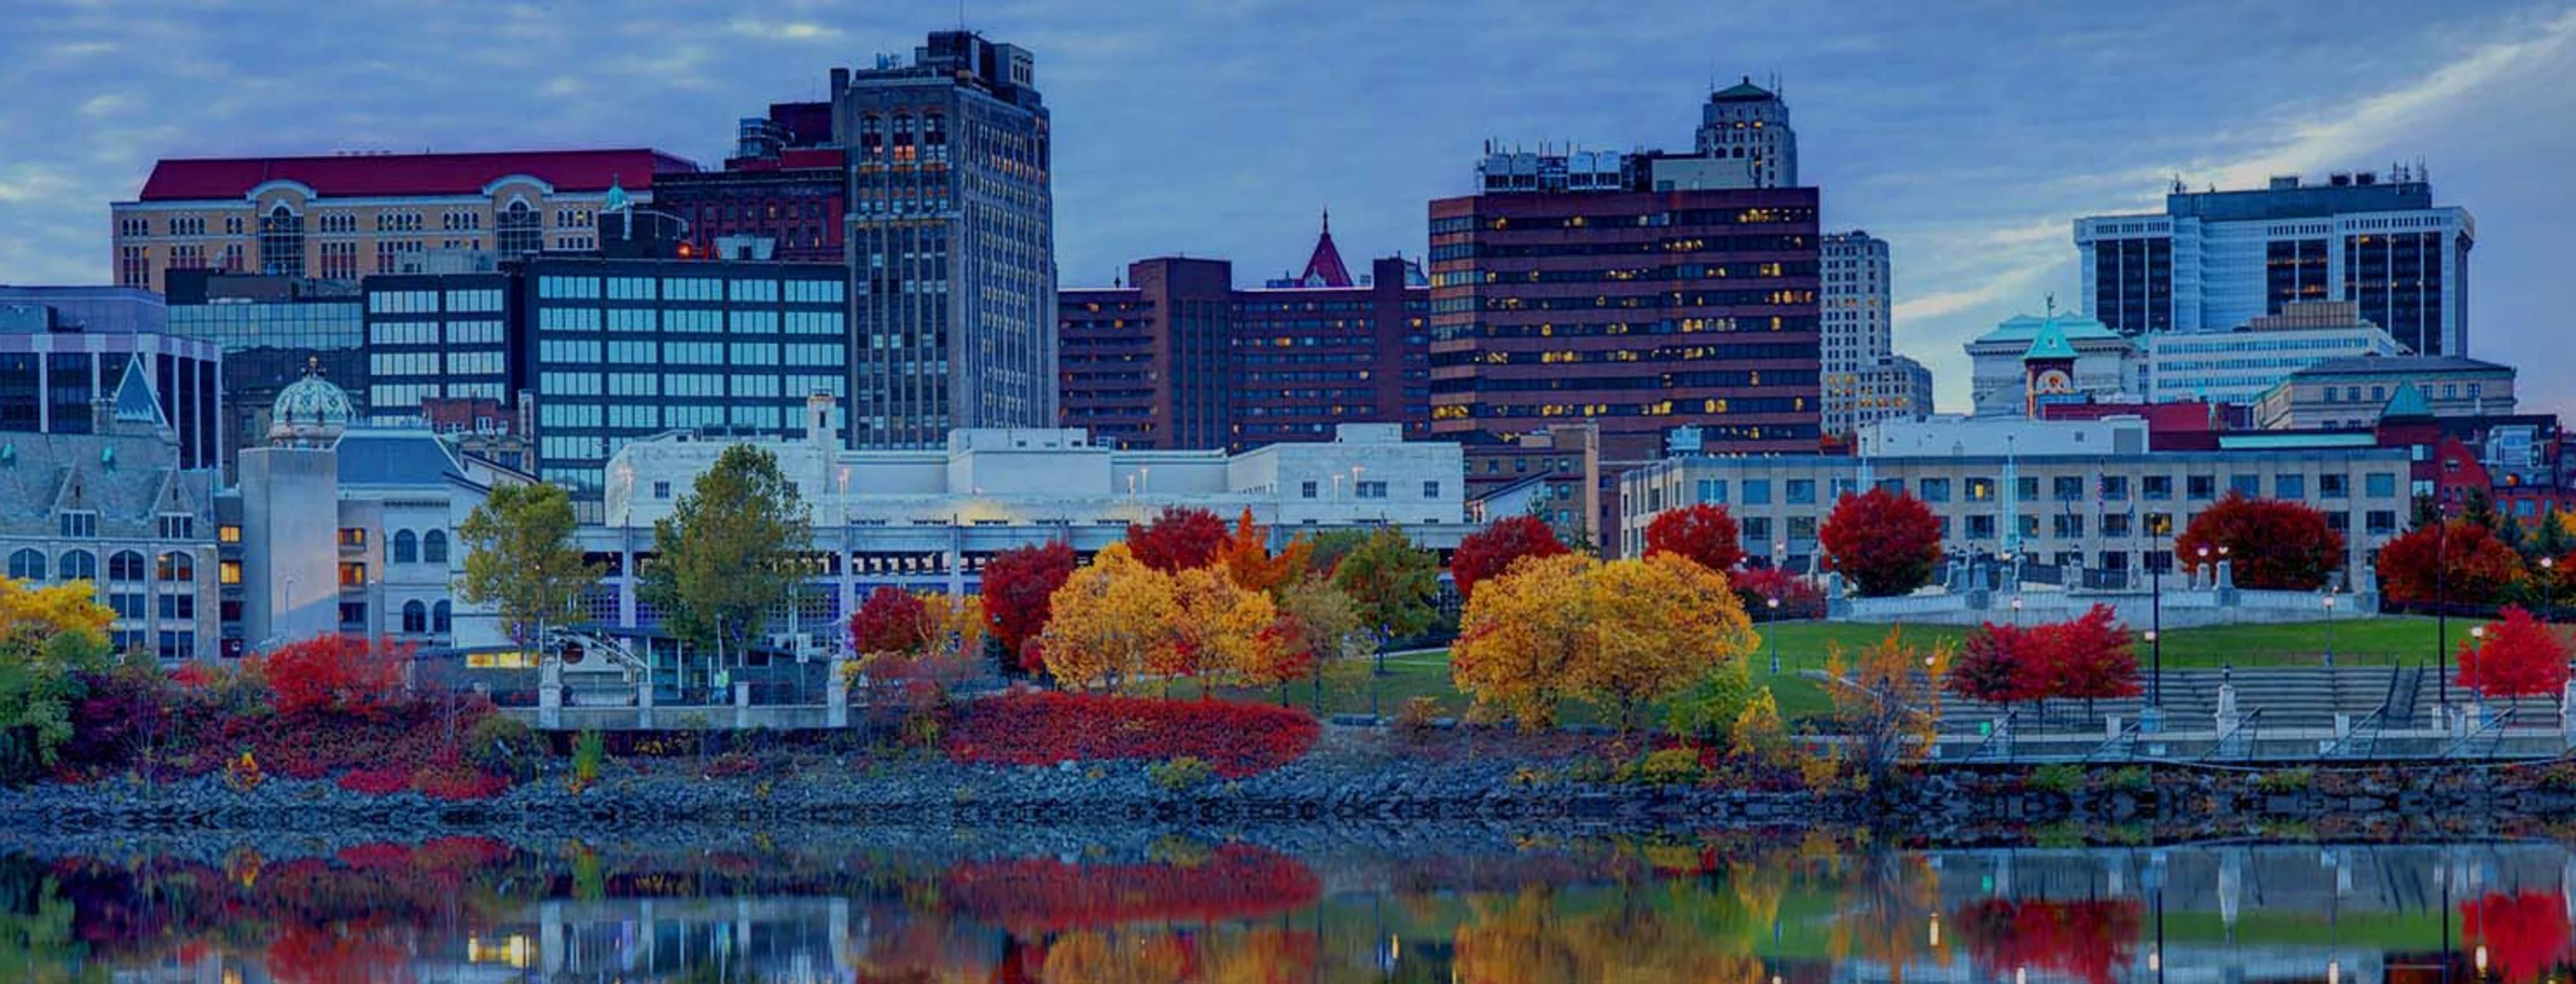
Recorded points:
(1807, 645)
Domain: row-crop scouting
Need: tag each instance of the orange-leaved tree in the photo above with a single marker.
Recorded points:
(2450, 561)
(1885, 542)
(1220, 627)
(1886, 703)
(2516, 656)
(1246, 557)
(1109, 621)
(1653, 625)
(2271, 544)
(1520, 639)
(1702, 532)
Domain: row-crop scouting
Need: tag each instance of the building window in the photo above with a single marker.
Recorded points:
(406, 547)
(2115, 488)
(281, 243)
(1801, 491)
(178, 526)
(229, 572)
(2067, 488)
(177, 568)
(2381, 522)
(1757, 491)
(127, 565)
(1431, 490)
(2156, 487)
(2332, 486)
(433, 547)
(2248, 486)
(2289, 487)
(415, 617)
(520, 230)
(351, 536)
(27, 565)
(2159, 525)
(353, 574)
(79, 524)
(79, 565)
(2201, 488)
(2380, 486)
(1933, 489)
(662, 490)
(1307, 489)
(441, 619)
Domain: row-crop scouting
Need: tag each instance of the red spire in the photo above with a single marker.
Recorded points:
(1324, 268)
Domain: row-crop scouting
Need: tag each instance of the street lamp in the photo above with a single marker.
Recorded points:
(2548, 588)
(2328, 602)
(1774, 604)
(2016, 607)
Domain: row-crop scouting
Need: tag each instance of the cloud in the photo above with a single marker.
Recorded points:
(799, 31)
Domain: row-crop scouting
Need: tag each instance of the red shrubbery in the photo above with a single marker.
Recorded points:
(337, 674)
(1046, 727)
(1032, 897)
(1755, 587)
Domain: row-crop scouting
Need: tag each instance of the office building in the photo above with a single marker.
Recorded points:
(2052, 358)
(927, 519)
(2215, 259)
(343, 216)
(1744, 141)
(437, 337)
(2082, 494)
(273, 330)
(618, 349)
(2240, 366)
(1864, 379)
(951, 242)
(786, 182)
(61, 356)
(2356, 391)
(1892, 388)
(111, 504)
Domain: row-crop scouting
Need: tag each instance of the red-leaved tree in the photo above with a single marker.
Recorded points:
(2518, 657)
(1017, 584)
(1178, 539)
(1491, 551)
(2090, 658)
(1703, 533)
(2271, 544)
(337, 674)
(1885, 542)
(1755, 587)
(1999, 664)
(891, 620)
(2452, 561)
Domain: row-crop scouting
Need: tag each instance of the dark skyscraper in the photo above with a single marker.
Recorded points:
(951, 242)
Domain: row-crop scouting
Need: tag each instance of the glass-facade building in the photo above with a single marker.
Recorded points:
(614, 350)
(951, 242)
(433, 336)
(271, 329)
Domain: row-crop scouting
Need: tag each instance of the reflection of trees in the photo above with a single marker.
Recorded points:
(1885, 913)
(1031, 896)
(1529, 936)
(2082, 938)
(36, 940)
(2525, 933)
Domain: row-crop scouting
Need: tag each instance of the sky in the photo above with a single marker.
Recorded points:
(1969, 135)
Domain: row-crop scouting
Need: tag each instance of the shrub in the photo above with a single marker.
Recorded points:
(2286, 782)
(1180, 774)
(501, 745)
(1755, 587)
(2134, 780)
(589, 756)
(455, 780)
(2057, 778)
(243, 774)
(1707, 710)
(1415, 717)
(731, 765)
(1668, 767)
(1043, 728)
(376, 782)
(336, 673)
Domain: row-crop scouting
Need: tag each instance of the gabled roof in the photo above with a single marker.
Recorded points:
(2408, 402)
(2050, 343)
(1324, 266)
(395, 457)
(134, 400)
(356, 175)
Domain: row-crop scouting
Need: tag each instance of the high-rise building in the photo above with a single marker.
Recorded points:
(1860, 383)
(1744, 141)
(274, 331)
(437, 337)
(63, 372)
(345, 216)
(2216, 259)
(786, 182)
(951, 241)
(1179, 358)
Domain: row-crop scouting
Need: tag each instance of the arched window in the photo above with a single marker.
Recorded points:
(80, 565)
(177, 568)
(126, 565)
(406, 547)
(440, 621)
(281, 242)
(27, 565)
(519, 229)
(433, 547)
(415, 617)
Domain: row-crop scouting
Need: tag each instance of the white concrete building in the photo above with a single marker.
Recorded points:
(2240, 366)
(2107, 367)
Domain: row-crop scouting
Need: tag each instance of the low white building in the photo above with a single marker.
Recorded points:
(928, 518)
(2240, 366)
(2106, 367)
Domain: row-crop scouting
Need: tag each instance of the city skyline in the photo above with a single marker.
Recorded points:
(1970, 150)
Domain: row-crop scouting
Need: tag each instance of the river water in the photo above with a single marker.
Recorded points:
(1415, 905)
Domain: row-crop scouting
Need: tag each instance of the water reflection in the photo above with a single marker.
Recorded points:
(1749, 908)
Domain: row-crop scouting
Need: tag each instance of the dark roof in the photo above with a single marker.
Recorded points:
(395, 457)
(355, 175)
(1324, 266)
(1744, 91)
(2396, 365)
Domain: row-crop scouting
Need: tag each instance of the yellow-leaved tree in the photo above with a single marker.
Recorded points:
(1655, 625)
(1522, 635)
(49, 636)
(1218, 626)
(1887, 702)
(1109, 622)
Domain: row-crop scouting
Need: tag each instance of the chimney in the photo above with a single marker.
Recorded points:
(818, 419)
(840, 81)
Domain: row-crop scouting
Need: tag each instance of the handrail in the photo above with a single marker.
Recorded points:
(2495, 725)
(2004, 730)
(2230, 734)
(2372, 723)
(2128, 732)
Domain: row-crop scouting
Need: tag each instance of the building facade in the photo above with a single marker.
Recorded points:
(1744, 141)
(794, 198)
(57, 364)
(99, 310)
(2357, 391)
(111, 505)
(618, 349)
(951, 241)
(272, 330)
(344, 216)
(2216, 259)
(437, 337)
(928, 519)
(2240, 366)
(1855, 337)
(2100, 365)
(2115, 507)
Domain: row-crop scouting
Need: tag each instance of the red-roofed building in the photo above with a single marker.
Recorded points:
(345, 216)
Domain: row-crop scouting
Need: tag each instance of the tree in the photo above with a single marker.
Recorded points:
(1653, 626)
(2517, 657)
(1246, 557)
(1391, 581)
(2270, 544)
(51, 638)
(1999, 664)
(520, 558)
(1886, 543)
(729, 551)
(1017, 585)
(2451, 561)
(1218, 626)
(1321, 624)
(1326, 550)
(1490, 552)
(1702, 533)
(1886, 702)
(891, 620)
(1178, 539)
(337, 675)
(1520, 641)
(2090, 658)
(1109, 622)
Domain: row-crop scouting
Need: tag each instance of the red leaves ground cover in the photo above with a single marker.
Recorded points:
(1046, 727)
(1033, 896)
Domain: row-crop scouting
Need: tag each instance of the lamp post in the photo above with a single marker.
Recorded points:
(2478, 640)
(2328, 602)
(2548, 588)
(2016, 607)
(2442, 610)
(2156, 630)
(1774, 604)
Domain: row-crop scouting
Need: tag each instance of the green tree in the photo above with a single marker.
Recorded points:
(1392, 581)
(729, 551)
(1331, 547)
(520, 559)
(51, 639)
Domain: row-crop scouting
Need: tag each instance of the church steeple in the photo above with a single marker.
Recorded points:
(1324, 267)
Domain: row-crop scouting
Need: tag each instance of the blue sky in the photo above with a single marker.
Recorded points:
(1968, 135)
